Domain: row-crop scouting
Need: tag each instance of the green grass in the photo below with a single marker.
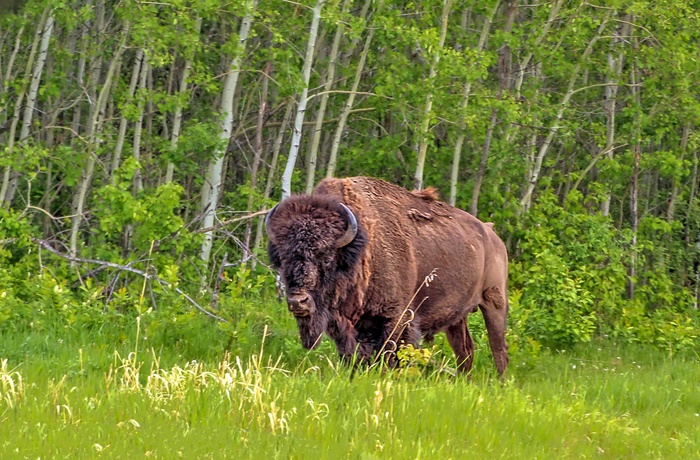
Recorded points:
(85, 395)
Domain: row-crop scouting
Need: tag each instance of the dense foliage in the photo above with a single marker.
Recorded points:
(571, 125)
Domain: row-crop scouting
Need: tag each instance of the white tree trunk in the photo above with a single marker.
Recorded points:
(13, 56)
(36, 79)
(335, 146)
(425, 123)
(525, 62)
(553, 12)
(262, 112)
(273, 170)
(80, 80)
(454, 177)
(177, 117)
(634, 192)
(10, 177)
(212, 182)
(504, 59)
(534, 174)
(138, 127)
(123, 122)
(474, 208)
(13, 126)
(93, 131)
(615, 64)
(330, 76)
(7, 174)
(303, 99)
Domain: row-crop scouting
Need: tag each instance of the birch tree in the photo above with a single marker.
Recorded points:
(183, 89)
(534, 173)
(138, 125)
(616, 58)
(466, 92)
(123, 121)
(6, 77)
(303, 100)
(636, 153)
(537, 121)
(11, 60)
(427, 111)
(41, 39)
(634, 189)
(504, 72)
(527, 58)
(92, 138)
(330, 77)
(80, 80)
(337, 137)
(262, 112)
(36, 78)
(212, 181)
(272, 171)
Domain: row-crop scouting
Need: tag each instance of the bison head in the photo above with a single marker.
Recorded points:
(314, 242)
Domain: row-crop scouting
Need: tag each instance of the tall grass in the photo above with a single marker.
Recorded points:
(11, 385)
(88, 398)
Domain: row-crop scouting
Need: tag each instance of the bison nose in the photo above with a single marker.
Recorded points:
(299, 304)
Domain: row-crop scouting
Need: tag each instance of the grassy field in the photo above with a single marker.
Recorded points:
(90, 395)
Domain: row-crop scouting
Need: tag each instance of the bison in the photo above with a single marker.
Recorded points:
(370, 264)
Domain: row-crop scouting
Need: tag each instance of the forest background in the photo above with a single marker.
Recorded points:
(142, 142)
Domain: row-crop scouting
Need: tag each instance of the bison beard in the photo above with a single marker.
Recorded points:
(353, 254)
(311, 328)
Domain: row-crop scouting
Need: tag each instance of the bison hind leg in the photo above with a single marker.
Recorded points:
(495, 310)
(462, 344)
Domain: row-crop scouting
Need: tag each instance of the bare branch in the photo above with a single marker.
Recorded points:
(126, 268)
(51, 216)
(230, 221)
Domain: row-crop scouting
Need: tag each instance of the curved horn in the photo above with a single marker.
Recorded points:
(351, 232)
(267, 220)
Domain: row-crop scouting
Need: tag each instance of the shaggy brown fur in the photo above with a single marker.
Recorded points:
(358, 293)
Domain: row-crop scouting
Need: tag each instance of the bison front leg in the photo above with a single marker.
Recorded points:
(344, 334)
(462, 343)
(390, 335)
(495, 309)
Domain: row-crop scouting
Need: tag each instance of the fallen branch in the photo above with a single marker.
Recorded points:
(126, 268)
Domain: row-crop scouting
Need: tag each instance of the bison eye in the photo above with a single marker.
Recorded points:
(327, 261)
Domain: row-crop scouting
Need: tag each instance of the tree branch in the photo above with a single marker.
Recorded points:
(230, 221)
(126, 268)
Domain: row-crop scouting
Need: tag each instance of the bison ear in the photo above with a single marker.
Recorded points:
(267, 221)
(274, 255)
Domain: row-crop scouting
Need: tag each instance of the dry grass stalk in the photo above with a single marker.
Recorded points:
(11, 385)
(248, 386)
(404, 324)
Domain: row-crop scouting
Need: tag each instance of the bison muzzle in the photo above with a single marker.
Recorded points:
(355, 255)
